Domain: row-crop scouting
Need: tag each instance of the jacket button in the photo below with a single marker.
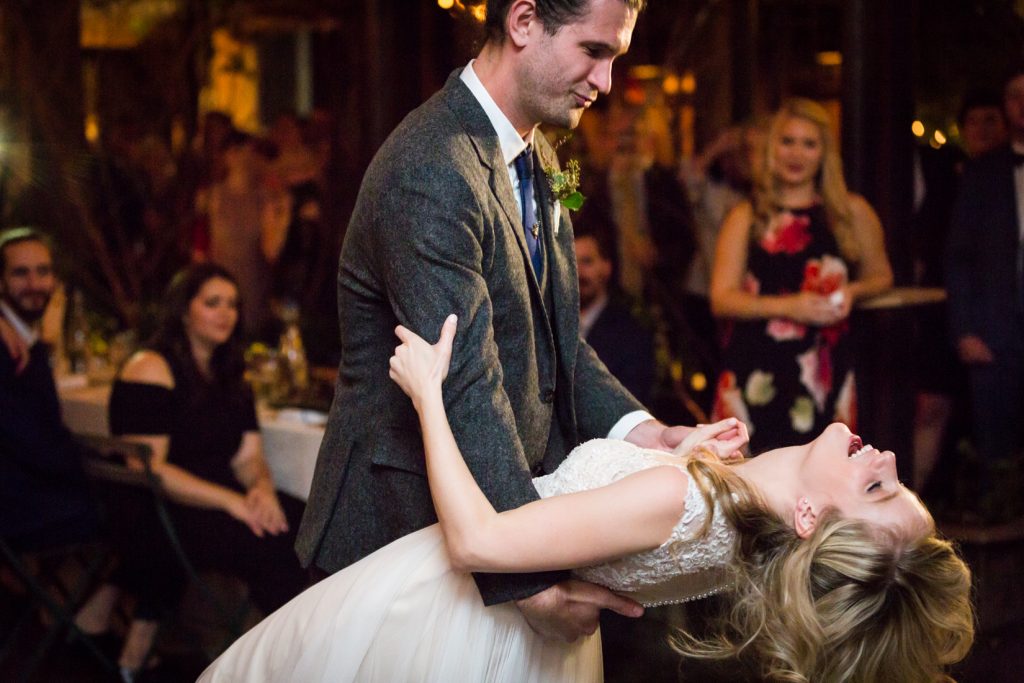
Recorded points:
(547, 396)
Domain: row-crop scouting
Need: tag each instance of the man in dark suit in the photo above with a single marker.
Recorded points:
(452, 217)
(608, 325)
(985, 279)
(43, 493)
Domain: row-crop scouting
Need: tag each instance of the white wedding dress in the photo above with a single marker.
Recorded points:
(402, 614)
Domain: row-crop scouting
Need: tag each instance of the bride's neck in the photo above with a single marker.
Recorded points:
(773, 475)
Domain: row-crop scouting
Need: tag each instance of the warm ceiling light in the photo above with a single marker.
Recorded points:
(645, 72)
(688, 83)
(940, 138)
(699, 382)
(670, 84)
(830, 58)
(918, 128)
(92, 128)
(445, 4)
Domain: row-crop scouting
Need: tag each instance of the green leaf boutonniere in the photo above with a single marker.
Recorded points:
(565, 183)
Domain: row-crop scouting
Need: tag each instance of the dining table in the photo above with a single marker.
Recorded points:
(291, 436)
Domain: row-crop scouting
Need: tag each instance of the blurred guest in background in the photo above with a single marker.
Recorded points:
(982, 123)
(789, 265)
(984, 265)
(44, 499)
(939, 375)
(248, 224)
(185, 398)
(199, 169)
(621, 341)
(298, 171)
(716, 180)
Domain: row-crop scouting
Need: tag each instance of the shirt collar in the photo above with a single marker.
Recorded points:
(511, 143)
(24, 330)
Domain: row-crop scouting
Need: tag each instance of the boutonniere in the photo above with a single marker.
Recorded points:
(565, 183)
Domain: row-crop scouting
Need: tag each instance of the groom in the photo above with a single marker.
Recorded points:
(448, 221)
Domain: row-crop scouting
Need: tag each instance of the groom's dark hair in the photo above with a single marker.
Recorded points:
(553, 14)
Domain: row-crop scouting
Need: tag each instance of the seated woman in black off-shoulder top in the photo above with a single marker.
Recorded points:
(184, 396)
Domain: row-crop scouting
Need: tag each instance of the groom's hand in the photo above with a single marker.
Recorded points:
(655, 435)
(727, 444)
(570, 609)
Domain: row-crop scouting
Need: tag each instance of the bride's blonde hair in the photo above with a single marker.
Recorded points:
(849, 603)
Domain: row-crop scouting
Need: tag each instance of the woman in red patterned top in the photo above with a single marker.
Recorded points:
(789, 265)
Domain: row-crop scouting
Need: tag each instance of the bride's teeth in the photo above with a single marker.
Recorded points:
(862, 450)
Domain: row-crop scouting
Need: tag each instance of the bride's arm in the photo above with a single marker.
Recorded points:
(635, 513)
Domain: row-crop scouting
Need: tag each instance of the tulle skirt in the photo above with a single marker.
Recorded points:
(402, 615)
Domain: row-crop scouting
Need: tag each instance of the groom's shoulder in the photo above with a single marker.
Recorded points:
(432, 134)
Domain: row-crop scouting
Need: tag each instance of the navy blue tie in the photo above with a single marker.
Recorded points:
(531, 223)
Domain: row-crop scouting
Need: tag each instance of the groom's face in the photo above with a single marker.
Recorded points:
(564, 73)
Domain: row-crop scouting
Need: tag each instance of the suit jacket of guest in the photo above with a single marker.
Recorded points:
(436, 230)
(625, 347)
(41, 480)
(981, 258)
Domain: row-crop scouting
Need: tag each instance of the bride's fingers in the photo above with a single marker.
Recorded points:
(732, 445)
(713, 431)
(408, 336)
(735, 456)
(444, 344)
(447, 333)
(722, 426)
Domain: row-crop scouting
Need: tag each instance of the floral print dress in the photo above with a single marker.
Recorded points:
(788, 380)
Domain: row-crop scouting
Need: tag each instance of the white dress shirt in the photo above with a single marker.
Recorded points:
(29, 335)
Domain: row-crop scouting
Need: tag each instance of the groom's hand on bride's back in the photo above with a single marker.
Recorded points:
(570, 610)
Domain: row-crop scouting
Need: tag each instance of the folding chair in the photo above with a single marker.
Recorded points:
(36, 567)
(110, 465)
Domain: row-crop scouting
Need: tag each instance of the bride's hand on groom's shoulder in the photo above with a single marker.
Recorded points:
(418, 367)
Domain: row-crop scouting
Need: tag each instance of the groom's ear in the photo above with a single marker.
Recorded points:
(805, 518)
(521, 20)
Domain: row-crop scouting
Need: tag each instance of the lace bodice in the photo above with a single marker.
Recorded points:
(686, 567)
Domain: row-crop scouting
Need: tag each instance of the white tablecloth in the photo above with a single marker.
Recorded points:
(290, 441)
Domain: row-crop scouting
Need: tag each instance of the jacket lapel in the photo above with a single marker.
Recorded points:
(561, 263)
(485, 141)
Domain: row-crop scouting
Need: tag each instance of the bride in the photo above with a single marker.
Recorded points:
(832, 568)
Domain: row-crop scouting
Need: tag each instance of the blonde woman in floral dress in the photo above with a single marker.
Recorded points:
(789, 266)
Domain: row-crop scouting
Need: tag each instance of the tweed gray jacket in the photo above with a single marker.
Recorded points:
(436, 230)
